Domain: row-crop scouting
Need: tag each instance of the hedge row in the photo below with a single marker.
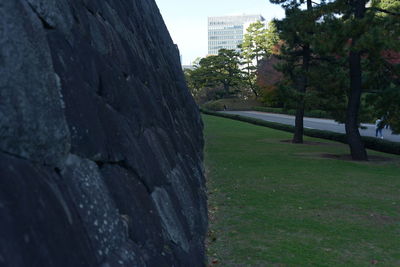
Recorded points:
(311, 113)
(369, 142)
(213, 106)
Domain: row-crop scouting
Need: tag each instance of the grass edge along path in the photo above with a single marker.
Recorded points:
(274, 203)
(369, 142)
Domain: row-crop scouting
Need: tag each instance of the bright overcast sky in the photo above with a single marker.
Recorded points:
(187, 20)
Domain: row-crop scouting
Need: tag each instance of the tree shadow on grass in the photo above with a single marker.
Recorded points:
(347, 157)
(344, 157)
(310, 143)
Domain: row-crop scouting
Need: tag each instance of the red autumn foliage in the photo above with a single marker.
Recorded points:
(391, 57)
(267, 80)
(268, 76)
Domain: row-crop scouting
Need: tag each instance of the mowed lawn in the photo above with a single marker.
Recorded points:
(274, 203)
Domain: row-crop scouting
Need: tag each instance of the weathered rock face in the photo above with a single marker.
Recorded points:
(100, 140)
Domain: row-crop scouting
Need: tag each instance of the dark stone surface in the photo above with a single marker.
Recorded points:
(31, 109)
(100, 140)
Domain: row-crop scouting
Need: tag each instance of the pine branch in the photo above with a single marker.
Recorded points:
(327, 59)
(385, 11)
(315, 3)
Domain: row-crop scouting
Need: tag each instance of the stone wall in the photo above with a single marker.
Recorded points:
(100, 140)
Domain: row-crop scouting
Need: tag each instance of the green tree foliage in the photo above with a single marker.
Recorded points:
(258, 43)
(251, 53)
(218, 73)
(271, 39)
(254, 42)
(386, 7)
(384, 81)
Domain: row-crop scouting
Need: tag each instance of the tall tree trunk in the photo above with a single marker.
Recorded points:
(226, 89)
(356, 144)
(254, 90)
(301, 85)
(357, 148)
(252, 86)
(301, 89)
(299, 123)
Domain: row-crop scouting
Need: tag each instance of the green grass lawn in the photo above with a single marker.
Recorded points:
(273, 203)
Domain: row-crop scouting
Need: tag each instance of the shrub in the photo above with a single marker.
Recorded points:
(230, 104)
(213, 105)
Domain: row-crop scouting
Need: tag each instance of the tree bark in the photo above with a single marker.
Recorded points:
(299, 124)
(357, 148)
(301, 89)
(226, 89)
(252, 86)
(301, 85)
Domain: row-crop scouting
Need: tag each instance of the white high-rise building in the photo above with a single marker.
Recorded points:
(227, 31)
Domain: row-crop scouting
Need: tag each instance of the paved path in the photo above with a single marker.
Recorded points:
(314, 123)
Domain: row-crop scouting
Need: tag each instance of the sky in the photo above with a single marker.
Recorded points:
(186, 20)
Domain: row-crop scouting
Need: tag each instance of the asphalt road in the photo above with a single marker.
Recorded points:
(314, 123)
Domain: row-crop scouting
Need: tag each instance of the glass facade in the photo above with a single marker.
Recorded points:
(227, 31)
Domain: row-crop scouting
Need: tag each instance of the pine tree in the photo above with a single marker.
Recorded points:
(216, 70)
(258, 43)
(334, 32)
(296, 31)
(358, 34)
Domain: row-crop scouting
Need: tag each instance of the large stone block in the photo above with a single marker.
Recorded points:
(32, 122)
(40, 225)
(100, 140)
